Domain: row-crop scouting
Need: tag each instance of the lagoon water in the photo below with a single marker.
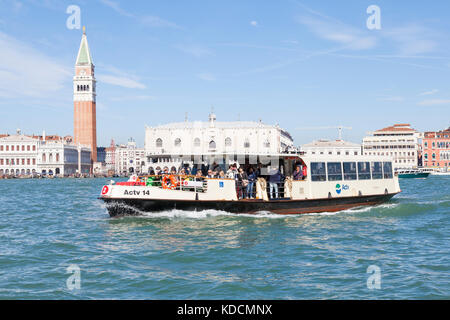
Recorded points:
(48, 225)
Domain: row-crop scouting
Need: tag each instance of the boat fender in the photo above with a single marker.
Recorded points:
(172, 180)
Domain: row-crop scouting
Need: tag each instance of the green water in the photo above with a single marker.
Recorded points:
(48, 225)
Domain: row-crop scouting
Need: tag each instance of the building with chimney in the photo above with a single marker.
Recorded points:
(84, 99)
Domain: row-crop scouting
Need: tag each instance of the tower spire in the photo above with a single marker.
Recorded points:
(84, 54)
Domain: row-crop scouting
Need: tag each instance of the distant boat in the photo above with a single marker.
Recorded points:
(412, 173)
(437, 171)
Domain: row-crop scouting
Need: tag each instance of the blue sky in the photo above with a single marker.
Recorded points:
(296, 63)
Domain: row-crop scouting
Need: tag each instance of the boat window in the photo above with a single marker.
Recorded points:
(377, 170)
(364, 170)
(318, 171)
(334, 170)
(387, 168)
(349, 170)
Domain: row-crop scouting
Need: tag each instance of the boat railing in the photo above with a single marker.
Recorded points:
(170, 181)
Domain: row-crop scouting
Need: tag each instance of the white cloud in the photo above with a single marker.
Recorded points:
(132, 98)
(26, 72)
(434, 102)
(120, 81)
(392, 99)
(206, 76)
(147, 20)
(427, 93)
(195, 50)
(254, 23)
(340, 33)
(412, 39)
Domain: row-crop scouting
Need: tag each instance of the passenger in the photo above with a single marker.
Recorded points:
(198, 176)
(274, 180)
(298, 174)
(210, 174)
(165, 171)
(221, 174)
(230, 172)
(304, 172)
(251, 181)
(242, 184)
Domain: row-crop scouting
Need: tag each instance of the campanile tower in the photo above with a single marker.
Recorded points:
(84, 96)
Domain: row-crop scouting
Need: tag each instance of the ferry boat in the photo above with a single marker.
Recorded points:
(329, 184)
(412, 173)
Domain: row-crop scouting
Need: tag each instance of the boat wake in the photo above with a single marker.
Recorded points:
(124, 210)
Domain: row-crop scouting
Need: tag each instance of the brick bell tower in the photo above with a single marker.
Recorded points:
(84, 97)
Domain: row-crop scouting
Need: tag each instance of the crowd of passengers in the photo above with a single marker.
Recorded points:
(245, 177)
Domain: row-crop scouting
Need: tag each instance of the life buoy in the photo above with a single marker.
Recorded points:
(305, 171)
(173, 182)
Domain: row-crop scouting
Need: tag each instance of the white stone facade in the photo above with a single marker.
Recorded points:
(400, 142)
(332, 148)
(212, 137)
(18, 155)
(165, 144)
(129, 159)
(60, 158)
(28, 155)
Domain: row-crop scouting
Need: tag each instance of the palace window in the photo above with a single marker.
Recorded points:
(177, 142)
(196, 142)
(212, 144)
(228, 142)
(159, 143)
(267, 144)
(246, 144)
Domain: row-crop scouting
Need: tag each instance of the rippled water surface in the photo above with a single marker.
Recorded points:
(48, 225)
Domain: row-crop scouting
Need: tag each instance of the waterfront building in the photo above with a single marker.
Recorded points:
(129, 159)
(400, 141)
(58, 157)
(18, 154)
(29, 155)
(332, 148)
(84, 99)
(170, 144)
(110, 157)
(436, 149)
